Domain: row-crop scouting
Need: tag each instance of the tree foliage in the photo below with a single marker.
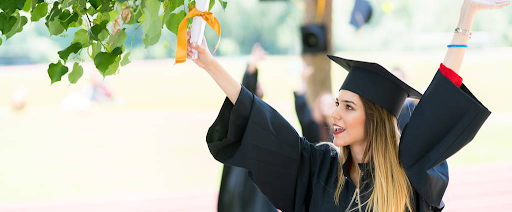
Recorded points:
(103, 24)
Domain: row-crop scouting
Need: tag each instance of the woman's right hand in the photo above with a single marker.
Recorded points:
(204, 57)
(477, 5)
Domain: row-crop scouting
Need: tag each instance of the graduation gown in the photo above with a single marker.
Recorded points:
(296, 175)
(238, 192)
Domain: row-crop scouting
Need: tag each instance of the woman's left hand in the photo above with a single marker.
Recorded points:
(477, 5)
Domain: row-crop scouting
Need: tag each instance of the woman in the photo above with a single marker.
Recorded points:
(376, 169)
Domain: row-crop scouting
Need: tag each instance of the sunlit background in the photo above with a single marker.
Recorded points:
(140, 146)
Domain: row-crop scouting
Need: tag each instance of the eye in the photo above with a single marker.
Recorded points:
(348, 107)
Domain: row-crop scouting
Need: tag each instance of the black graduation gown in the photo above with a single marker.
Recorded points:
(296, 175)
(237, 192)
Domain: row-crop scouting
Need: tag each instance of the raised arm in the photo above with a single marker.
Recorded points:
(455, 55)
(205, 60)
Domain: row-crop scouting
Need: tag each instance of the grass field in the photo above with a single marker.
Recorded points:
(155, 143)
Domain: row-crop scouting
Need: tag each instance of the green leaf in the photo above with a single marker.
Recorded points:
(117, 39)
(174, 21)
(77, 23)
(54, 13)
(104, 60)
(189, 23)
(113, 14)
(7, 22)
(125, 60)
(170, 6)
(0, 41)
(91, 11)
(95, 3)
(73, 48)
(27, 6)
(82, 37)
(211, 5)
(35, 2)
(150, 40)
(97, 29)
(56, 71)
(113, 67)
(103, 35)
(80, 6)
(105, 5)
(66, 3)
(10, 6)
(117, 51)
(224, 4)
(96, 48)
(167, 10)
(67, 18)
(139, 15)
(38, 12)
(101, 17)
(75, 75)
(18, 26)
(153, 24)
(55, 28)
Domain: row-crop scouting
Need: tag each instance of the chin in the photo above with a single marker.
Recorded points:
(339, 142)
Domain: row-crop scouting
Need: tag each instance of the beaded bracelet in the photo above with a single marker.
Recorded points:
(463, 31)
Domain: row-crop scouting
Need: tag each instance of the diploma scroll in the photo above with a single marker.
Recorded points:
(198, 24)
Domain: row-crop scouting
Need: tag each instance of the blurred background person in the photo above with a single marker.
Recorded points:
(409, 105)
(315, 121)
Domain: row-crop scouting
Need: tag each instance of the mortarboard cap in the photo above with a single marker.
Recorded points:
(361, 14)
(375, 83)
(314, 38)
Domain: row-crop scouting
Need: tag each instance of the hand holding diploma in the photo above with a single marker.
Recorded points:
(196, 31)
(203, 55)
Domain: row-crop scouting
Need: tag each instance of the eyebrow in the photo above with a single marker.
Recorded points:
(346, 101)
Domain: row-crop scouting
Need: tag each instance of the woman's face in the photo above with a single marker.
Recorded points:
(348, 120)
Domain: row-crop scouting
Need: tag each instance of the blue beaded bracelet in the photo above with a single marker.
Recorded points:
(465, 46)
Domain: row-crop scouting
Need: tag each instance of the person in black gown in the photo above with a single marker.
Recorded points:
(315, 121)
(370, 169)
(237, 192)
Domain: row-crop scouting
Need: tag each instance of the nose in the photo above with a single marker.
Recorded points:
(335, 115)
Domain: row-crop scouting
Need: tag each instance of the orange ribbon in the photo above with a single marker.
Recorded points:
(181, 49)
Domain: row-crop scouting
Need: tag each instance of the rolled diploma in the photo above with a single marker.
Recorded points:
(198, 24)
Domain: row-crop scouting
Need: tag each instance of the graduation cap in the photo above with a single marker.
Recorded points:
(375, 83)
(314, 38)
(361, 14)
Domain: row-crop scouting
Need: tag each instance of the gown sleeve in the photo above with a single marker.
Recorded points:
(250, 80)
(310, 128)
(252, 135)
(445, 120)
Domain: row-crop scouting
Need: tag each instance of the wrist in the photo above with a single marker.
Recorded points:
(467, 15)
(251, 68)
(210, 65)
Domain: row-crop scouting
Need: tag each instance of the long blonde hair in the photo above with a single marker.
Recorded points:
(392, 190)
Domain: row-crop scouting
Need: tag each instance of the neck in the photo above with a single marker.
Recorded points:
(357, 152)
